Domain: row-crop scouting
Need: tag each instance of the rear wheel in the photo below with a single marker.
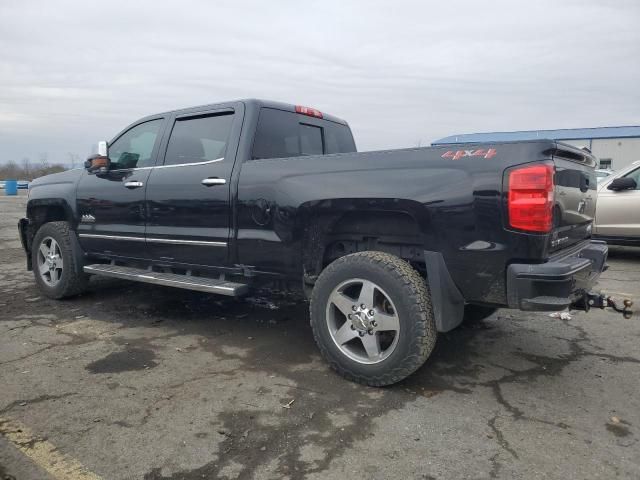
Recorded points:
(57, 261)
(372, 319)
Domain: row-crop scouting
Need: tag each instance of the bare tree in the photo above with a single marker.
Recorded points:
(11, 170)
(44, 162)
(26, 166)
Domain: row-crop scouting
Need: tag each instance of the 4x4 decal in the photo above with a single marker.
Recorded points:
(481, 152)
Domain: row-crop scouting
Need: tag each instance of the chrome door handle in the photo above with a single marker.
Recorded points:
(210, 182)
(133, 184)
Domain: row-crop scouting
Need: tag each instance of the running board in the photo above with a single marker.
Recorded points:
(188, 282)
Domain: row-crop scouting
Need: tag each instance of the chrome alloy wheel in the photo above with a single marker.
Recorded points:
(362, 321)
(50, 261)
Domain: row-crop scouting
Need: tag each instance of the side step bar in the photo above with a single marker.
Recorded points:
(188, 282)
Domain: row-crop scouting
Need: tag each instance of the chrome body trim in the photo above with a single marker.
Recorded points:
(168, 166)
(153, 240)
(111, 237)
(187, 242)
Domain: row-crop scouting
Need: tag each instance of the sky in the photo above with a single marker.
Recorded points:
(402, 73)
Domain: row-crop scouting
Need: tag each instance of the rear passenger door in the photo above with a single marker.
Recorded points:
(188, 203)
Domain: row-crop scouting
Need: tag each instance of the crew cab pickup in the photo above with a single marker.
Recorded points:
(389, 246)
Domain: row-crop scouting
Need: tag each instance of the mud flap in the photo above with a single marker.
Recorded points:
(23, 225)
(447, 301)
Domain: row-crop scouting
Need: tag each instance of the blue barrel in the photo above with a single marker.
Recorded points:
(11, 187)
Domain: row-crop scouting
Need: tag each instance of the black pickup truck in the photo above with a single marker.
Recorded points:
(390, 247)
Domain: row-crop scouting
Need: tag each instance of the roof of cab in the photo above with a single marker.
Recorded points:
(254, 103)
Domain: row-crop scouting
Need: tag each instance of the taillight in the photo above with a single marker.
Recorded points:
(311, 112)
(531, 198)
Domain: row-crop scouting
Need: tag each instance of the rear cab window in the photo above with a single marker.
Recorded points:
(282, 134)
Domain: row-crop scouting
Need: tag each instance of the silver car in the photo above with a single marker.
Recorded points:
(618, 207)
(602, 174)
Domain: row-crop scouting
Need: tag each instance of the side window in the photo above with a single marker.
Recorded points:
(636, 176)
(134, 148)
(338, 138)
(277, 135)
(199, 139)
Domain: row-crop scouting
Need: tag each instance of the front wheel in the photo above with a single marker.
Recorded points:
(56, 260)
(372, 319)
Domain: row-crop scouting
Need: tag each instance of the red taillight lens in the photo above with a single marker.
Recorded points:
(531, 198)
(311, 112)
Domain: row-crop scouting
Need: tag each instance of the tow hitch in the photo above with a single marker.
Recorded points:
(597, 300)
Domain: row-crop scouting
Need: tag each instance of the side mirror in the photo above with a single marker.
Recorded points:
(103, 148)
(623, 183)
(99, 163)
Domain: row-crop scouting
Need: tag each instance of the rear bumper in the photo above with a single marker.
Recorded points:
(558, 283)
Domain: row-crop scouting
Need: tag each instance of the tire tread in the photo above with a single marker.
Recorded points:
(424, 329)
(75, 282)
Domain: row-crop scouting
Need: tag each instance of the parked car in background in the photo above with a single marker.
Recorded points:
(618, 208)
(602, 173)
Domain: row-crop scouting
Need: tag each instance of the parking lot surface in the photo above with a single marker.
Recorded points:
(132, 381)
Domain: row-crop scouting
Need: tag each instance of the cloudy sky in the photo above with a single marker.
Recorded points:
(402, 73)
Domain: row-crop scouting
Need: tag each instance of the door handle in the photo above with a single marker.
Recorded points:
(211, 181)
(133, 184)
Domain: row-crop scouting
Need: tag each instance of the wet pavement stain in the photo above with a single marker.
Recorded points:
(124, 361)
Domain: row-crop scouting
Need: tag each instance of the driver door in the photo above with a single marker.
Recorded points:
(111, 205)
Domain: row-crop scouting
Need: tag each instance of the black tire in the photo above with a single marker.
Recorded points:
(410, 296)
(73, 280)
(477, 313)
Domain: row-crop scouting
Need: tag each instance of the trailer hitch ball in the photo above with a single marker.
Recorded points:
(597, 300)
(625, 310)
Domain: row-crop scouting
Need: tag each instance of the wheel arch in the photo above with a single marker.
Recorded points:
(330, 233)
(334, 228)
(45, 210)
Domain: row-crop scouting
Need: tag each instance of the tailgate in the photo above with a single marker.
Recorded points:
(575, 196)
